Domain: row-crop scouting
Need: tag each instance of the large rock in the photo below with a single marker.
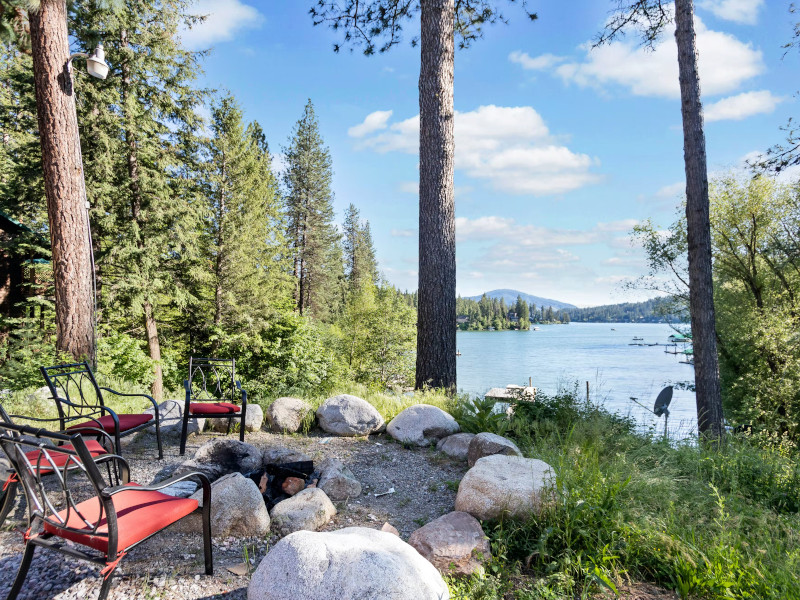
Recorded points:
(222, 456)
(454, 543)
(498, 484)
(487, 444)
(337, 481)
(252, 420)
(170, 415)
(308, 510)
(349, 564)
(280, 455)
(40, 395)
(422, 425)
(348, 416)
(286, 414)
(456, 445)
(237, 509)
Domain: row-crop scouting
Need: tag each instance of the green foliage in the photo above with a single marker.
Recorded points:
(479, 414)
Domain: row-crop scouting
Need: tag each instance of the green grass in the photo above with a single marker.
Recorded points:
(707, 523)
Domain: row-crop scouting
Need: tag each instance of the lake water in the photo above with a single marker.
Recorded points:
(600, 353)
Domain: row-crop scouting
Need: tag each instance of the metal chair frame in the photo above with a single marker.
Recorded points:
(9, 489)
(213, 380)
(41, 505)
(79, 376)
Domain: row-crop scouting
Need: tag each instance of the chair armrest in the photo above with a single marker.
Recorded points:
(204, 482)
(122, 465)
(152, 400)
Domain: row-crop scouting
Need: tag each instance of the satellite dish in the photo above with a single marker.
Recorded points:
(662, 402)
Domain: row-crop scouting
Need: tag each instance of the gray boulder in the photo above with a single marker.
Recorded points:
(422, 425)
(454, 543)
(337, 481)
(286, 414)
(280, 455)
(501, 484)
(456, 445)
(252, 420)
(40, 394)
(487, 444)
(352, 563)
(170, 414)
(348, 415)
(308, 510)
(222, 456)
(237, 509)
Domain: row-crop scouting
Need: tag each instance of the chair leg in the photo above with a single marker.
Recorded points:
(105, 588)
(158, 440)
(207, 551)
(184, 432)
(241, 423)
(22, 572)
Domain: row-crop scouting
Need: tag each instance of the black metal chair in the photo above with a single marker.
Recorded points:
(212, 391)
(100, 446)
(111, 519)
(77, 394)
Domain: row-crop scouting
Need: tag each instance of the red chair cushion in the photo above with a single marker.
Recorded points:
(139, 515)
(59, 458)
(126, 422)
(213, 408)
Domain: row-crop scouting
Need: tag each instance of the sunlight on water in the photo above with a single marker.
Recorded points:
(560, 355)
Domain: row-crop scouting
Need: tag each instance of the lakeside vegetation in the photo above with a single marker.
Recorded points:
(491, 314)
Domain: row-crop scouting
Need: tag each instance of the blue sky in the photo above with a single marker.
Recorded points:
(560, 149)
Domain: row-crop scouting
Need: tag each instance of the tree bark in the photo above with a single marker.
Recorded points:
(436, 324)
(63, 180)
(698, 225)
(150, 325)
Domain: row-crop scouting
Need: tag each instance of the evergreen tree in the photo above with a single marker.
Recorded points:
(243, 239)
(360, 265)
(317, 255)
(133, 126)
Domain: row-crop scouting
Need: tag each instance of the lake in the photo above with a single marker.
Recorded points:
(600, 353)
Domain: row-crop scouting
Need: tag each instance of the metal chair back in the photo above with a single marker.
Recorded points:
(212, 379)
(74, 389)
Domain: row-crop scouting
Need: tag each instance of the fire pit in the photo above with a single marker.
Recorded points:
(278, 482)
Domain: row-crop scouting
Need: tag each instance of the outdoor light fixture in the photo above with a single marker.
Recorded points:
(95, 63)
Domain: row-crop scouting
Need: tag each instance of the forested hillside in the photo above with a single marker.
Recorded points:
(656, 310)
(201, 246)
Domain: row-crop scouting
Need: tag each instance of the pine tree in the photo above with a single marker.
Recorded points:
(361, 267)
(243, 240)
(317, 255)
(132, 127)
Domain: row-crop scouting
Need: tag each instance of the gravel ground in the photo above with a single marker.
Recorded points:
(170, 565)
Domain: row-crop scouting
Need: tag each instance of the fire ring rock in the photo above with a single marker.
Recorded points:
(286, 414)
(222, 456)
(348, 415)
(337, 481)
(486, 444)
(456, 445)
(252, 420)
(501, 484)
(308, 510)
(422, 425)
(352, 563)
(454, 543)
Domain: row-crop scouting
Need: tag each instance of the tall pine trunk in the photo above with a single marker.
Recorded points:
(436, 323)
(698, 225)
(63, 180)
(150, 325)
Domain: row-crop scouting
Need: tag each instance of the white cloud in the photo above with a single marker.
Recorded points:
(509, 146)
(672, 191)
(538, 63)
(224, 19)
(725, 63)
(407, 233)
(738, 11)
(492, 228)
(373, 122)
(736, 108)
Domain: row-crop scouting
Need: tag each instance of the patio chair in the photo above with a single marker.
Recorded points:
(100, 446)
(212, 391)
(77, 394)
(111, 519)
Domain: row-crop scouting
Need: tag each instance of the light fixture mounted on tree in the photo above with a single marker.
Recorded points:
(95, 63)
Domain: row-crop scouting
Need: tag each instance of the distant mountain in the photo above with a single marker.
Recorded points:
(510, 296)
